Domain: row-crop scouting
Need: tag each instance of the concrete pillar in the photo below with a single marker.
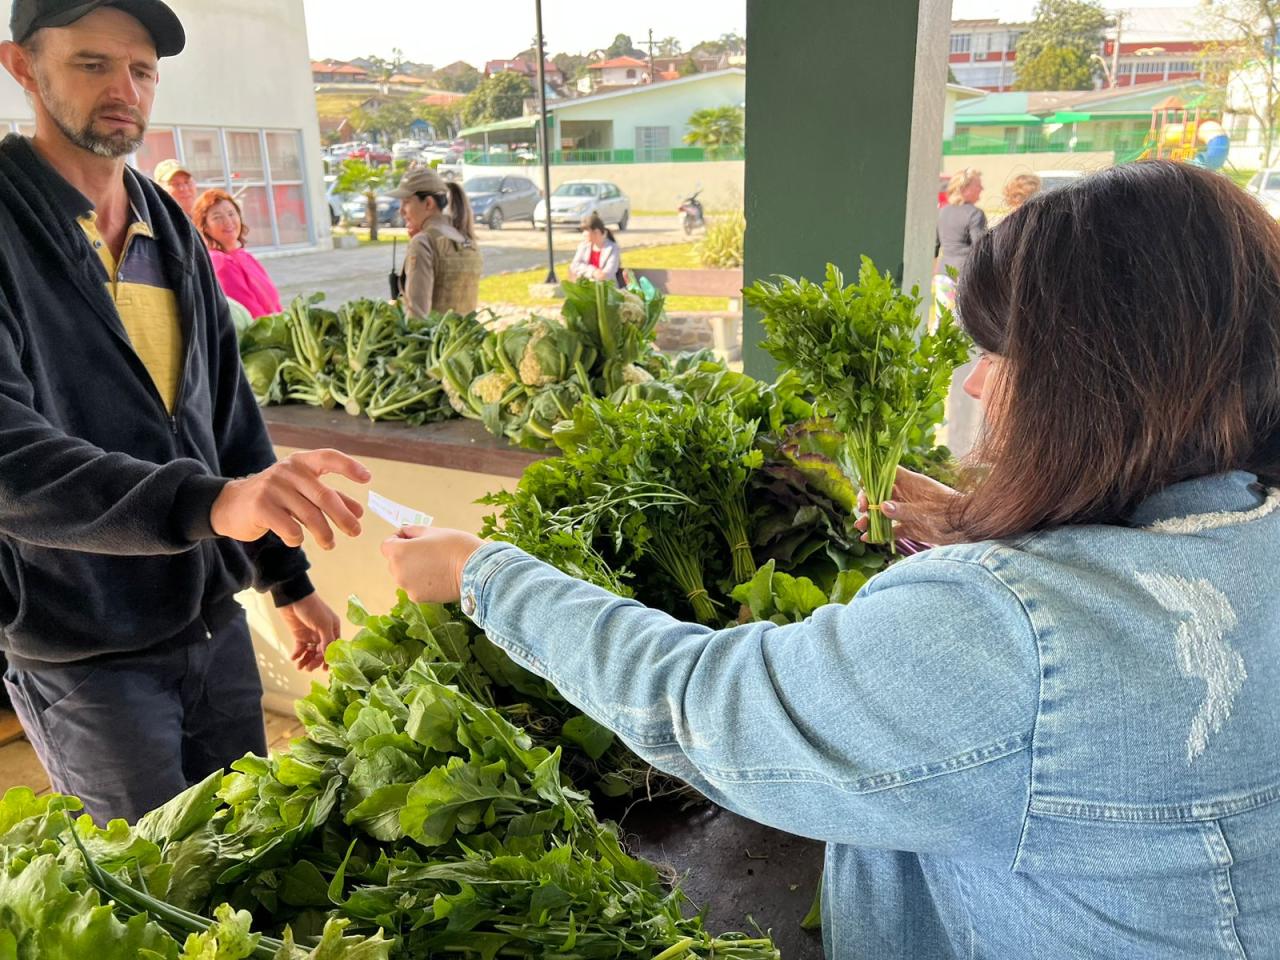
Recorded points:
(845, 102)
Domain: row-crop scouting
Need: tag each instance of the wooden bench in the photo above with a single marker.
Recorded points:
(725, 327)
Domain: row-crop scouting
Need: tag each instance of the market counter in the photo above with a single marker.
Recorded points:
(746, 872)
(439, 468)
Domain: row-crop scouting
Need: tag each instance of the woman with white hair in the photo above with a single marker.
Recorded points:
(961, 224)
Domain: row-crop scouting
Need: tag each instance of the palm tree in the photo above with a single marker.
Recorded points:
(356, 176)
(718, 130)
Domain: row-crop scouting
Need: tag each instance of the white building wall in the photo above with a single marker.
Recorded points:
(246, 67)
(660, 105)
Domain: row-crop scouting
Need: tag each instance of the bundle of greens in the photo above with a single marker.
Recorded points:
(649, 493)
(411, 820)
(860, 352)
(619, 325)
(366, 357)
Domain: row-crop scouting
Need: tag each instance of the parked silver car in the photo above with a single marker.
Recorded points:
(495, 200)
(572, 201)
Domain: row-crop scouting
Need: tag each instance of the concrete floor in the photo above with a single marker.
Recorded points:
(350, 274)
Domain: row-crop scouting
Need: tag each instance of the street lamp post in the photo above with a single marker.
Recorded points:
(544, 143)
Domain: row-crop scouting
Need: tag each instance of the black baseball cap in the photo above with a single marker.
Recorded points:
(165, 27)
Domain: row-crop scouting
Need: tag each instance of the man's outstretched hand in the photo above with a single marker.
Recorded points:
(288, 498)
(314, 626)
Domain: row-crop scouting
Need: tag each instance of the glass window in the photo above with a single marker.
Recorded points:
(653, 143)
(202, 156)
(1273, 182)
(158, 145)
(257, 215)
(960, 42)
(244, 150)
(631, 74)
(291, 213)
(981, 43)
(284, 152)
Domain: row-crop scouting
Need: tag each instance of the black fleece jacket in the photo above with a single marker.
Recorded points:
(105, 542)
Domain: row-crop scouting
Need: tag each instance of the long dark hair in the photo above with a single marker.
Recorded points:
(458, 209)
(592, 221)
(1136, 314)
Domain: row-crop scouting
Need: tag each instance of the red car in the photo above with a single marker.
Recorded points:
(371, 155)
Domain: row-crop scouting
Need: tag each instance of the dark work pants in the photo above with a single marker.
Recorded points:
(129, 733)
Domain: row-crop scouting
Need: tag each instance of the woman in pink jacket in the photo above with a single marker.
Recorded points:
(243, 278)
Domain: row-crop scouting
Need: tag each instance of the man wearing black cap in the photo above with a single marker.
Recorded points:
(123, 414)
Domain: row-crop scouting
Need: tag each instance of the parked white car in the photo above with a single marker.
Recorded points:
(1053, 179)
(575, 199)
(1265, 185)
(407, 149)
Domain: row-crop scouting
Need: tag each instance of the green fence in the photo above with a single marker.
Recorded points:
(569, 157)
(1033, 141)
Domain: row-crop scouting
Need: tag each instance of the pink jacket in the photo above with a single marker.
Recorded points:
(246, 281)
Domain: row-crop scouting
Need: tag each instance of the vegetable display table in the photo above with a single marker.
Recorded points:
(747, 874)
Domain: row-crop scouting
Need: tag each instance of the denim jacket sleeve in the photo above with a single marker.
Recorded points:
(901, 720)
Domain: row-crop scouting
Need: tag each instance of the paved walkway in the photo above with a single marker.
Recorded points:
(350, 274)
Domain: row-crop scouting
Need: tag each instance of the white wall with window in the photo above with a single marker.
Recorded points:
(652, 119)
(237, 107)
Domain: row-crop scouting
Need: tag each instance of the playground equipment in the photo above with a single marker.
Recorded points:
(1181, 133)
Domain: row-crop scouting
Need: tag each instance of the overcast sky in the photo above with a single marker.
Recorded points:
(432, 31)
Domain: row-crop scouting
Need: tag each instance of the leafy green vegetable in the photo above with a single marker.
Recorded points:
(859, 351)
(410, 807)
(782, 598)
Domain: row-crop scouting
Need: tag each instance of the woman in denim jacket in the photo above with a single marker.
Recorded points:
(1058, 735)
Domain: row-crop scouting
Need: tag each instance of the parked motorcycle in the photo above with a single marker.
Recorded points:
(692, 216)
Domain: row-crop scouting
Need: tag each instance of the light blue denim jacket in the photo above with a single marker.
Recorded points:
(1062, 746)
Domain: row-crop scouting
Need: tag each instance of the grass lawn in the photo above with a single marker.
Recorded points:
(1242, 177)
(514, 287)
(335, 104)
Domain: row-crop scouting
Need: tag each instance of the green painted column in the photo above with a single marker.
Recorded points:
(845, 103)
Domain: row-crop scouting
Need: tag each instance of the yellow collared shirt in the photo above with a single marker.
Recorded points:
(148, 307)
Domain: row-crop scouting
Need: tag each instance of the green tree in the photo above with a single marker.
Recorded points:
(669, 47)
(459, 77)
(445, 121)
(356, 176)
(1241, 72)
(688, 68)
(1055, 68)
(621, 47)
(572, 65)
(733, 43)
(389, 121)
(499, 97)
(718, 130)
(1054, 54)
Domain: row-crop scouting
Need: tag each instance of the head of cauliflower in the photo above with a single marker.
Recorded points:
(491, 387)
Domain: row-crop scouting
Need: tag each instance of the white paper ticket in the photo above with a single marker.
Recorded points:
(397, 514)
